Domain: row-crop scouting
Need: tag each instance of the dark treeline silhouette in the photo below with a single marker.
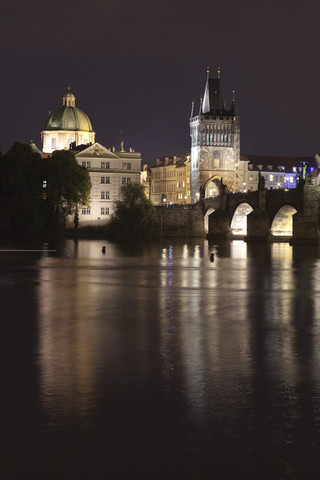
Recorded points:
(37, 194)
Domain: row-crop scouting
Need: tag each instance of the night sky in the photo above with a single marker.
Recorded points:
(137, 66)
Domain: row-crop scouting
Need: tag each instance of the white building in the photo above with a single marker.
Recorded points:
(108, 172)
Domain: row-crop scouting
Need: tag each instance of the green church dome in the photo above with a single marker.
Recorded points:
(68, 117)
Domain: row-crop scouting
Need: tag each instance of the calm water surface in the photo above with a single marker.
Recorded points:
(152, 362)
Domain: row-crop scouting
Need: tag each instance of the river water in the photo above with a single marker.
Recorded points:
(153, 362)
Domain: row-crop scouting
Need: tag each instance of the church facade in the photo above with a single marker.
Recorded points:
(70, 128)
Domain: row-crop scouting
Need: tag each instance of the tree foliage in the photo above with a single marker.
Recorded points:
(134, 214)
(68, 186)
(37, 194)
(22, 208)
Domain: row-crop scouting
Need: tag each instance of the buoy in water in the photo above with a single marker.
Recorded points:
(211, 257)
(103, 249)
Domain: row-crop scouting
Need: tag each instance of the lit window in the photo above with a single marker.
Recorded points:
(271, 178)
(291, 179)
(294, 169)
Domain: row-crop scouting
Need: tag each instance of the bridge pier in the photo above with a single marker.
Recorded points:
(305, 224)
(258, 227)
(219, 224)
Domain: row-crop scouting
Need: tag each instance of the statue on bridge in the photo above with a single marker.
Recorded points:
(262, 182)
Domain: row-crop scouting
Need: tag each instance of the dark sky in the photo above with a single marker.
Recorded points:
(137, 65)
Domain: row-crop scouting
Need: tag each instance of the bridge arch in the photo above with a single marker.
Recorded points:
(212, 187)
(206, 219)
(282, 221)
(238, 224)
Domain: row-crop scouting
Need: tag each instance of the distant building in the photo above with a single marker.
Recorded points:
(66, 125)
(215, 143)
(109, 170)
(277, 171)
(70, 128)
(215, 163)
(170, 181)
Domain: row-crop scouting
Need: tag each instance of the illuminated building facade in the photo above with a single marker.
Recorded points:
(276, 171)
(170, 181)
(215, 143)
(66, 125)
(108, 170)
(215, 163)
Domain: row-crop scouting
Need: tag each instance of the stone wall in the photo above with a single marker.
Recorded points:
(180, 221)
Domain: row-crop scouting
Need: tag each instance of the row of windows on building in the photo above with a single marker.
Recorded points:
(216, 138)
(164, 174)
(103, 211)
(123, 180)
(106, 165)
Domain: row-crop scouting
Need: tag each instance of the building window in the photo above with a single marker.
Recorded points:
(124, 166)
(291, 179)
(107, 164)
(107, 179)
(128, 166)
(128, 179)
(123, 181)
(102, 179)
(103, 164)
(102, 195)
(104, 210)
(271, 178)
(85, 211)
(53, 143)
(86, 164)
(107, 195)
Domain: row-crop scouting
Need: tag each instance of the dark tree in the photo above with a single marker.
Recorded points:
(68, 186)
(134, 214)
(22, 206)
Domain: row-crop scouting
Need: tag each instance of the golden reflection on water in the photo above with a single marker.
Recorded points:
(215, 325)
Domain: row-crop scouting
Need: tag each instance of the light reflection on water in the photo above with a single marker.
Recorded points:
(159, 356)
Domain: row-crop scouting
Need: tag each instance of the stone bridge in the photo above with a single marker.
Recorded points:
(263, 215)
(253, 214)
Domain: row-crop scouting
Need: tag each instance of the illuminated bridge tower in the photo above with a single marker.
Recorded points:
(215, 144)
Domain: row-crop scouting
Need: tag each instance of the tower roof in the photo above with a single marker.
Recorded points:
(212, 98)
